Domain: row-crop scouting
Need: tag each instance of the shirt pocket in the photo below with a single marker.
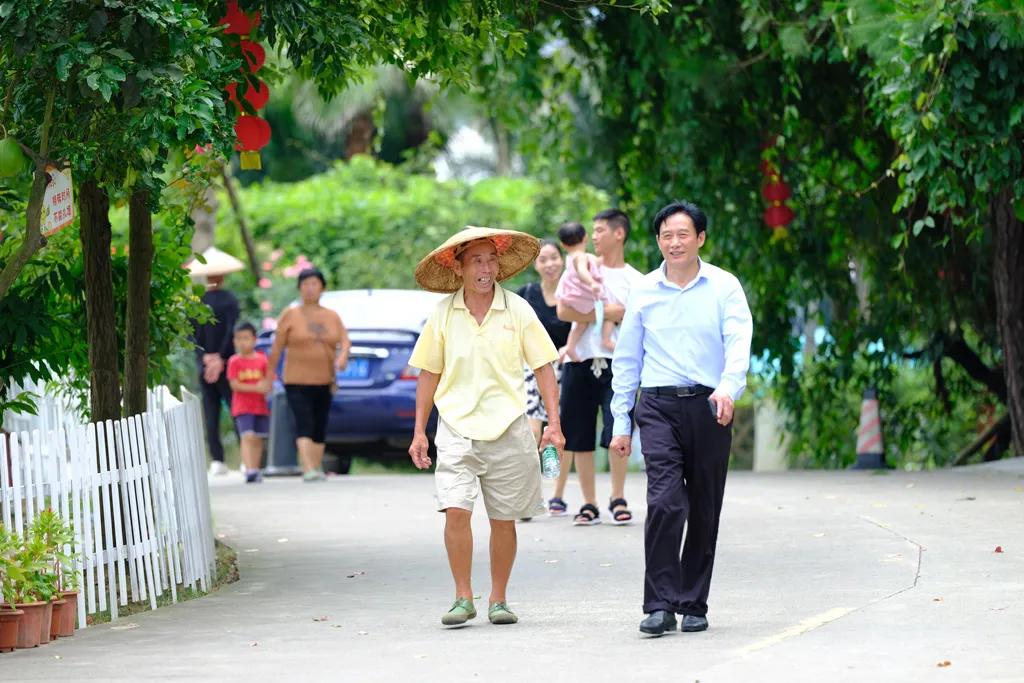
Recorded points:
(503, 344)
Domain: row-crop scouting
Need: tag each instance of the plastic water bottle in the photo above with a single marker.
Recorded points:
(550, 463)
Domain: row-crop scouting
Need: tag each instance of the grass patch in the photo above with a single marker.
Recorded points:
(226, 573)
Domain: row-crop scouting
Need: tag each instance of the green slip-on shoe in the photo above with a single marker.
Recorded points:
(499, 613)
(462, 611)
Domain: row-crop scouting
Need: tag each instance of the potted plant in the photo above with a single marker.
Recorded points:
(48, 533)
(33, 591)
(10, 572)
(59, 535)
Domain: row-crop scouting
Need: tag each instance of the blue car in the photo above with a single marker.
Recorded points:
(374, 409)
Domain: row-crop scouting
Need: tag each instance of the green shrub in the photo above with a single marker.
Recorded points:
(367, 224)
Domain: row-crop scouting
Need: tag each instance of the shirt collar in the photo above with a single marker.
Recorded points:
(701, 275)
(497, 303)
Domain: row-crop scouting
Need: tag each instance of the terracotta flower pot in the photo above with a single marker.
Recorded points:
(59, 606)
(31, 622)
(66, 625)
(44, 625)
(9, 619)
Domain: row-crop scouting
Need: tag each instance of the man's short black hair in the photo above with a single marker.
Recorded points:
(616, 219)
(700, 221)
(312, 272)
(246, 327)
(571, 233)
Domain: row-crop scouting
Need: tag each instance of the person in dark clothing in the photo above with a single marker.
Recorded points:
(214, 346)
(541, 296)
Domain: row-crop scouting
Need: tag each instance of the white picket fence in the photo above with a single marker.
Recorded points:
(135, 490)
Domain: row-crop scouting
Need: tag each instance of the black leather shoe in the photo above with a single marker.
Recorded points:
(692, 622)
(658, 622)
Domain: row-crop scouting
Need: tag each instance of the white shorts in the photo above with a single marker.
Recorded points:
(506, 470)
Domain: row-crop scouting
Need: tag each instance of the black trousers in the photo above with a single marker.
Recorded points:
(213, 397)
(687, 455)
(311, 406)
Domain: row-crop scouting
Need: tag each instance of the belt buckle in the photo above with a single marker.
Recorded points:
(684, 392)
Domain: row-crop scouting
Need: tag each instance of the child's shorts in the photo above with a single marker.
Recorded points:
(256, 425)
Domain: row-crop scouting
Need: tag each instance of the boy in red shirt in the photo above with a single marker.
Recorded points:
(250, 381)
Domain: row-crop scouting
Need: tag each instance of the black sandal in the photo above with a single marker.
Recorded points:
(587, 516)
(622, 516)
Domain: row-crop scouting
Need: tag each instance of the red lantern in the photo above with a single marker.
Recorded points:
(257, 96)
(254, 54)
(778, 216)
(238, 22)
(253, 134)
(775, 191)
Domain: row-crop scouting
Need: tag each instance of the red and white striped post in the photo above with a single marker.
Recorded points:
(870, 447)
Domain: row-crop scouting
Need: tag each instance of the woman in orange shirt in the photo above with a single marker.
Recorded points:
(316, 345)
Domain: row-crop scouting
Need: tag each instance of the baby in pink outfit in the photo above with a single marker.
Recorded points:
(581, 289)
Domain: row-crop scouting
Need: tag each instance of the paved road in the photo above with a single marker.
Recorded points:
(820, 576)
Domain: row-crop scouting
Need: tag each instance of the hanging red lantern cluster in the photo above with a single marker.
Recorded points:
(775, 191)
(253, 132)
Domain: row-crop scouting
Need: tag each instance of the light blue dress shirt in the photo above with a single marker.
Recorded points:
(680, 336)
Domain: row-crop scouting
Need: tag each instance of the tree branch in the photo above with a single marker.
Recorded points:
(997, 428)
(956, 349)
(34, 239)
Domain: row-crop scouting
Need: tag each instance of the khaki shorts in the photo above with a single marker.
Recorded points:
(506, 470)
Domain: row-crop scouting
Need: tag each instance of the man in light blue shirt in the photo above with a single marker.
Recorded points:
(685, 344)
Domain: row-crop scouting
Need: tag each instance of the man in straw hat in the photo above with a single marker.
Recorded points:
(470, 355)
(215, 345)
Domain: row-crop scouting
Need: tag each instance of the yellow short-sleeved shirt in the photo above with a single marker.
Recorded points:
(482, 390)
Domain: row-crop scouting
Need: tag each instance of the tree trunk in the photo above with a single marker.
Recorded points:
(204, 218)
(236, 206)
(1008, 276)
(360, 136)
(140, 270)
(104, 378)
(502, 148)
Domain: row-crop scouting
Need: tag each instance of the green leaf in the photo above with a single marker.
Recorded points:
(793, 42)
(122, 54)
(63, 66)
(1016, 113)
(113, 72)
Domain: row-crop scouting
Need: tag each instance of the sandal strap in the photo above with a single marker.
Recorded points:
(589, 511)
(617, 502)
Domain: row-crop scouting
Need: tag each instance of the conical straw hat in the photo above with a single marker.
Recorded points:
(217, 263)
(516, 251)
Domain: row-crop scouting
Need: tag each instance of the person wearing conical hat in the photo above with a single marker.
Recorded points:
(471, 355)
(214, 345)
